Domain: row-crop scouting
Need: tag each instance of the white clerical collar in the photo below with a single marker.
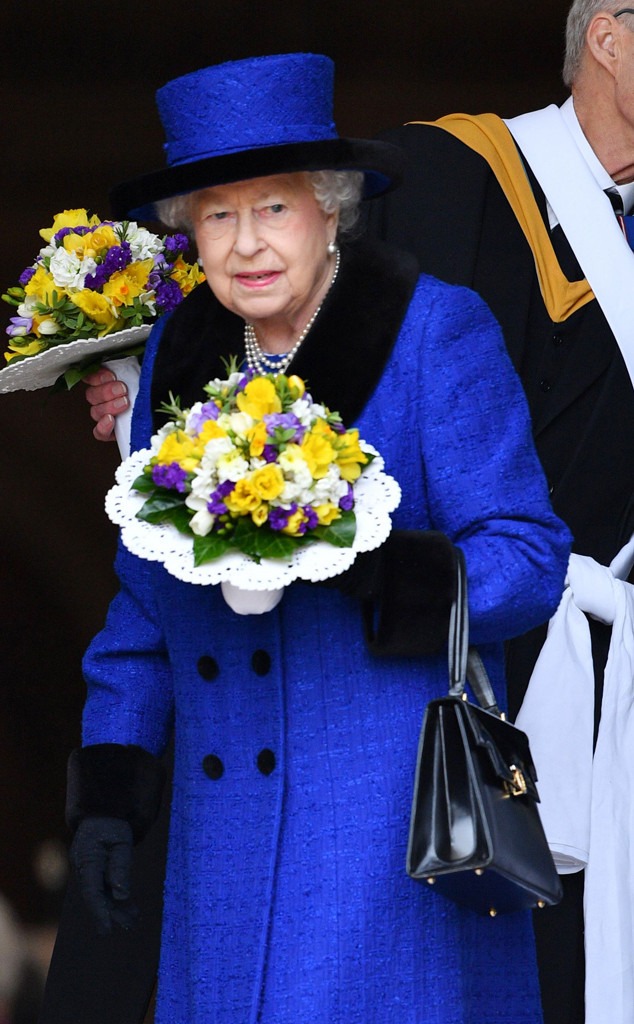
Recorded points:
(595, 166)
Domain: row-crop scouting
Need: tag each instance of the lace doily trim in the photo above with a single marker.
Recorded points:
(376, 496)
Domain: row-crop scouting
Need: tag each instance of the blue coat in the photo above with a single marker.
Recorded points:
(286, 897)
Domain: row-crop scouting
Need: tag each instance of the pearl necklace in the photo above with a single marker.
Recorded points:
(263, 362)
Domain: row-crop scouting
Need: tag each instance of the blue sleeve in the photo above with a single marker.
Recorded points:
(485, 486)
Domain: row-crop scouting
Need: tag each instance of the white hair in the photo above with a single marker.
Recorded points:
(580, 15)
(335, 191)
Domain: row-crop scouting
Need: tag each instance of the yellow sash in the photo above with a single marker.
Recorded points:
(488, 135)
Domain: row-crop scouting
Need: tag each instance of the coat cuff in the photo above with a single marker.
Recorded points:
(411, 616)
(114, 781)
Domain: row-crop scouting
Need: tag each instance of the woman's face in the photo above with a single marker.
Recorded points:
(263, 245)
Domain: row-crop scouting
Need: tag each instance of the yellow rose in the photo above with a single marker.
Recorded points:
(350, 458)
(243, 499)
(296, 383)
(268, 482)
(125, 285)
(179, 447)
(68, 219)
(260, 514)
(259, 398)
(97, 308)
(294, 523)
(327, 513)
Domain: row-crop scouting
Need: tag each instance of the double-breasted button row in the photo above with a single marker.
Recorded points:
(215, 769)
(209, 670)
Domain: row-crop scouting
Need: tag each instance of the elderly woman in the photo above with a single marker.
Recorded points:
(286, 896)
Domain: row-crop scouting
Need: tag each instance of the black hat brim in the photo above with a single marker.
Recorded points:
(381, 162)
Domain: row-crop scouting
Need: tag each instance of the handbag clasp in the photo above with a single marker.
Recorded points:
(517, 785)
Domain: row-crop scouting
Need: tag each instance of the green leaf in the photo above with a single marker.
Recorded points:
(262, 542)
(341, 532)
(144, 484)
(160, 507)
(206, 549)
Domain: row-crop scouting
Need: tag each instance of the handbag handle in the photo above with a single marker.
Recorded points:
(465, 661)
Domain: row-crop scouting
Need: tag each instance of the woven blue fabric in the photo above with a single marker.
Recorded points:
(286, 895)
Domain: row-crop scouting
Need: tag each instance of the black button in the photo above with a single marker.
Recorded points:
(208, 667)
(545, 384)
(557, 339)
(213, 766)
(266, 761)
(261, 662)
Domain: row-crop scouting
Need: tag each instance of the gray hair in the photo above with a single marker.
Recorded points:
(334, 191)
(579, 17)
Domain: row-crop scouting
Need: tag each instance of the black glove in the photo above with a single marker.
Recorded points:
(101, 854)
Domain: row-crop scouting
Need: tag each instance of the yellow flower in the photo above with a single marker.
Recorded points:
(68, 219)
(318, 451)
(350, 458)
(268, 482)
(243, 499)
(256, 436)
(124, 285)
(187, 276)
(210, 431)
(294, 523)
(102, 238)
(327, 513)
(97, 308)
(297, 383)
(16, 349)
(41, 286)
(179, 447)
(260, 514)
(259, 398)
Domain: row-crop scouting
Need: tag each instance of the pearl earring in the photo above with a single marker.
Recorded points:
(332, 248)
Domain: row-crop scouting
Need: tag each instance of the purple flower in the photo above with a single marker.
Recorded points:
(21, 325)
(168, 296)
(117, 258)
(347, 502)
(216, 505)
(209, 411)
(172, 477)
(285, 421)
(81, 229)
(312, 519)
(176, 243)
(26, 275)
(269, 453)
(279, 517)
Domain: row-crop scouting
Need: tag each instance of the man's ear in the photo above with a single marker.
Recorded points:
(603, 40)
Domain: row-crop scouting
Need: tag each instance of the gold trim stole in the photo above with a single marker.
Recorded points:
(488, 135)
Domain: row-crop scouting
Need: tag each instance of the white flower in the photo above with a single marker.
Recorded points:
(143, 243)
(68, 271)
(214, 450)
(202, 522)
(240, 423)
(232, 466)
(161, 434)
(47, 327)
(28, 307)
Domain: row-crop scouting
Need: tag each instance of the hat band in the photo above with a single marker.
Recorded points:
(182, 152)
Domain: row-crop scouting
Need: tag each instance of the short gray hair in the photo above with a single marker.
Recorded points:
(580, 15)
(334, 191)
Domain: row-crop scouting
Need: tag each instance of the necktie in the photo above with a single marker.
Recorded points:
(626, 221)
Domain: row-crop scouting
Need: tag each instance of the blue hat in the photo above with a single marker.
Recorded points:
(249, 119)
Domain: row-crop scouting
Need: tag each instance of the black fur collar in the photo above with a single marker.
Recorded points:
(342, 357)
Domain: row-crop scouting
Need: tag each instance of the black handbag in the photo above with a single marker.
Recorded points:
(475, 831)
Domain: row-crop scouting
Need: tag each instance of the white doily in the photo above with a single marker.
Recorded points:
(44, 369)
(376, 496)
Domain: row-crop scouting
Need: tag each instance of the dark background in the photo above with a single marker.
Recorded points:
(77, 83)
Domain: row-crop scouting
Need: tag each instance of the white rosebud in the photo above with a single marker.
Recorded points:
(201, 523)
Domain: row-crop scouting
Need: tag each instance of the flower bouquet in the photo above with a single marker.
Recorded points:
(256, 486)
(94, 289)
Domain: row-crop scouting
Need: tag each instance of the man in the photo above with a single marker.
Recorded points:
(475, 209)
(523, 219)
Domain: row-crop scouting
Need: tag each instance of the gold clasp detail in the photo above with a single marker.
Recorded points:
(517, 786)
